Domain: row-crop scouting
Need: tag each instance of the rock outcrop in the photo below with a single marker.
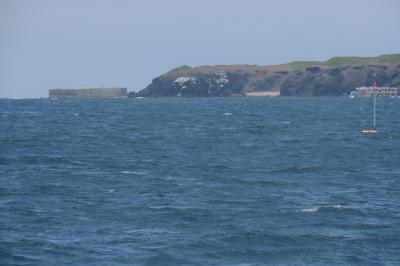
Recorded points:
(334, 77)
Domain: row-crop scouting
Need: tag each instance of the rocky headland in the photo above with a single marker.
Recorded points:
(337, 76)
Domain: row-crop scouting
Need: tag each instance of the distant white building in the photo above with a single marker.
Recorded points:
(378, 91)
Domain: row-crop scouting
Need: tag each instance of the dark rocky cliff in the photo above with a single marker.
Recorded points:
(335, 77)
(338, 81)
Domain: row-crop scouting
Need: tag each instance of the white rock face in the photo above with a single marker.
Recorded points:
(221, 79)
(183, 82)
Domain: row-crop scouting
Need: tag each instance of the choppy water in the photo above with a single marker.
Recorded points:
(234, 181)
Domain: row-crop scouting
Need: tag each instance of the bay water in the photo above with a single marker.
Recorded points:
(219, 181)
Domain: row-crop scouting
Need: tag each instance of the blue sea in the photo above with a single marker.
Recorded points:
(218, 181)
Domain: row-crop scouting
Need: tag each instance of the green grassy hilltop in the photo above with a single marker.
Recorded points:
(347, 60)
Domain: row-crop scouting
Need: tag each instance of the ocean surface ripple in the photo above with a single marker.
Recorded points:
(235, 181)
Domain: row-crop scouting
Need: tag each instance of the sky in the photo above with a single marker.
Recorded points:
(126, 43)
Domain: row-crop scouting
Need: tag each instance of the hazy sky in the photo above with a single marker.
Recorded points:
(89, 43)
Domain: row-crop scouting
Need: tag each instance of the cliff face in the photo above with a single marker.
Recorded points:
(335, 77)
(337, 81)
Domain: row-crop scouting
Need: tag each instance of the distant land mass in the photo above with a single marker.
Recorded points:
(337, 76)
(88, 93)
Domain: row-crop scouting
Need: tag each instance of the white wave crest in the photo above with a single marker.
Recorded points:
(313, 209)
(134, 172)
